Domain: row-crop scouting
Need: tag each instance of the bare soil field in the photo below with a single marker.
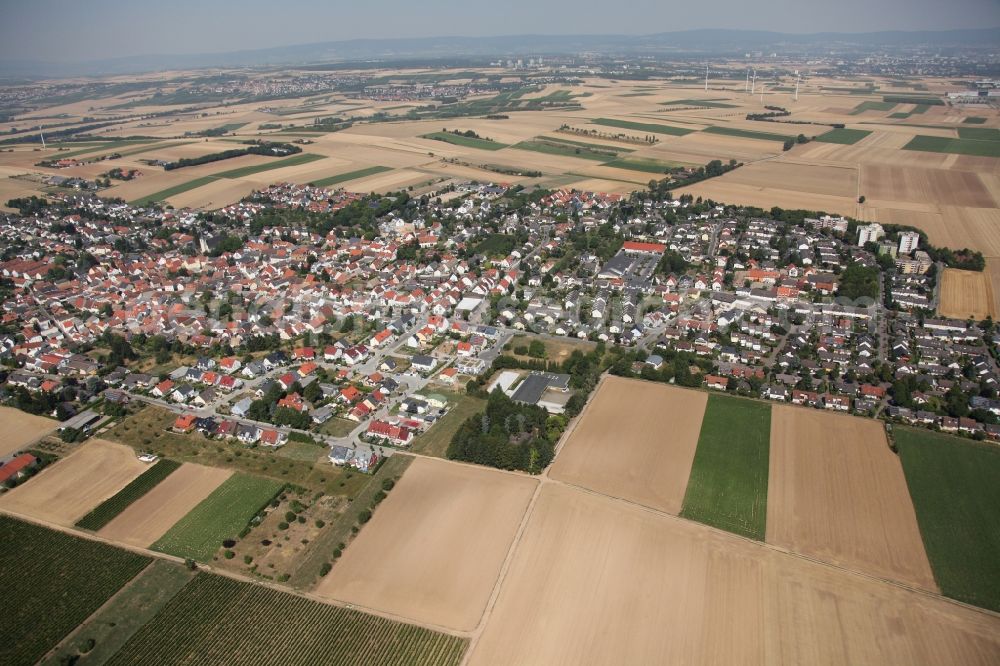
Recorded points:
(937, 186)
(967, 294)
(217, 194)
(67, 490)
(798, 176)
(837, 493)
(149, 517)
(635, 440)
(19, 429)
(434, 548)
(599, 581)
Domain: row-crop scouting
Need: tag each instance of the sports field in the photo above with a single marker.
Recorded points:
(221, 515)
(953, 483)
(836, 492)
(636, 440)
(728, 484)
(64, 492)
(52, 582)
(433, 549)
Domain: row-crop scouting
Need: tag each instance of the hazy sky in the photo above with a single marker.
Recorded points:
(74, 30)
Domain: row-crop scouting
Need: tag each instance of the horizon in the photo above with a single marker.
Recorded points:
(110, 29)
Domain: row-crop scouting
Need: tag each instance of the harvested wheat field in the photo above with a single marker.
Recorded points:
(148, 518)
(837, 493)
(19, 429)
(635, 440)
(66, 491)
(966, 294)
(433, 550)
(599, 581)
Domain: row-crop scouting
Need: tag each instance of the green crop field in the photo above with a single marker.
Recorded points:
(220, 516)
(350, 175)
(873, 106)
(941, 144)
(52, 582)
(171, 191)
(584, 144)
(927, 100)
(747, 134)
(467, 141)
(294, 160)
(843, 135)
(642, 127)
(706, 103)
(544, 145)
(728, 483)
(956, 494)
(106, 511)
(219, 620)
(974, 120)
(979, 133)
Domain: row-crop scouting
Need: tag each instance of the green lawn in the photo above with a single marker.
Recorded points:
(642, 127)
(467, 141)
(52, 582)
(435, 441)
(646, 165)
(873, 106)
(107, 510)
(171, 191)
(221, 515)
(955, 486)
(544, 145)
(843, 135)
(747, 134)
(350, 175)
(941, 144)
(728, 483)
(294, 160)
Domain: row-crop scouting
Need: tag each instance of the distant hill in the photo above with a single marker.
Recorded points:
(693, 42)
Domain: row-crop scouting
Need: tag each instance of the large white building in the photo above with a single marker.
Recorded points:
(908, 242)
(870, 233)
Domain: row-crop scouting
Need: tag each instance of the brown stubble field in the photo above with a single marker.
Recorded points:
(599, 581)
(629, 421)
(967, 294)
(19, 429)
(837, 493)
(67, 490)
(433, 550)
(149, 517)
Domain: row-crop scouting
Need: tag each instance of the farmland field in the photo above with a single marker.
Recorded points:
(52, 582)
(966, 294)
(627, 421)
(176, 189)
(149, 518)
(728, 484)
(979, 133)
(643, 127)
(873, 106)
(221, 515)
(209, 622)
(705, 103)
(105, 512)
(836, 492)
(350, 175)
(747, 134)
(843, 135)
(566, 149)
(645, 165)
(19, 429)
(598, 581)
(64, 492)
(294, 160)
(953, 483)
(941, 144)
(467, 141)
(434, 548)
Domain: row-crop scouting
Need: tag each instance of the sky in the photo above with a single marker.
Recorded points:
(81, 30)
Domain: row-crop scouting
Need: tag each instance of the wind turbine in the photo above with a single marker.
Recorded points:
(753, 82)
(797, 78)
(42, 134)
(746, 90)
(763, 87)
(706, 77)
